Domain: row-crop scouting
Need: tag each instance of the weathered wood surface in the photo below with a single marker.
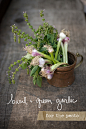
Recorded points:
(63, 14)
(3, 7)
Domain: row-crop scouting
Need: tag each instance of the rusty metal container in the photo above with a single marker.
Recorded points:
(64, 76)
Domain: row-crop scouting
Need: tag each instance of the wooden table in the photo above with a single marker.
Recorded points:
(66, 14)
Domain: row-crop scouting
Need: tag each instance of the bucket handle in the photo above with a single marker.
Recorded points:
(78, 55)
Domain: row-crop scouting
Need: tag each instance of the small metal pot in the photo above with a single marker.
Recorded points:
(64, 76)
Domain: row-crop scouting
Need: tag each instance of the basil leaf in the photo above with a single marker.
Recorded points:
(24, 65)
(39, 81)
(34, 70)
(28, 56)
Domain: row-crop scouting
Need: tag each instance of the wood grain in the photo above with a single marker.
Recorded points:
(66, 14)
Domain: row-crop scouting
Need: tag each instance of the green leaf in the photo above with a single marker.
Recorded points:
(13, 81)
(27, 71)
(54, 46)
(43, 19)
(45, 38)
(28, 56)
(39, 81)
(34, 70)
(30, 43)
(18, 61)
(17, 69)
(15, 63)
(25, 39)
(35, 39)
(11, 65)
(23, 65)
(44, 49)
(34, 80)
(26, 44)
(50, 37)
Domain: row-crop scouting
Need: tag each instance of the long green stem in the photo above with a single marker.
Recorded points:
(52, 57)
(48, 61)
(58, 46)
(46, 56)
(38, 45)
(55, 66)
(56, 60)
(65, 50)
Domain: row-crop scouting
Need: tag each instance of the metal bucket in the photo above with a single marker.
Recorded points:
(64, 76)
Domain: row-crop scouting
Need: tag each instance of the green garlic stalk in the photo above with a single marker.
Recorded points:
(66, 54)
(55, 66)
(65, 49)
(62, 36)
(63, 52)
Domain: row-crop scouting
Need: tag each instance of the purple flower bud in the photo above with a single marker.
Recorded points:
(41, 62)
(35, 53)
(49, 76)
(48, 72)
(67, 39)
(63, 41)
(50, 50)
(58, 39)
